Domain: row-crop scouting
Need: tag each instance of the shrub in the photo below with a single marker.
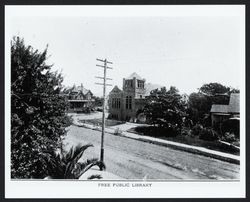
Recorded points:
(186, 131)
(68, 121)
(231, 126)
(196, 130)
(229, 137)
(118, 131)
(208, 134)
(66, 165)
(157, 131)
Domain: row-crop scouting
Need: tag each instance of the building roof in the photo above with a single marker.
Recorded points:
(233, 107)
(79, 89)
(150, 86)
(134, 75)
(219, 108)
(234, 103)
(116, 90)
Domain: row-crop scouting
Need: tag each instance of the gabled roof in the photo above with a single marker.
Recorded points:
(234, 103)
(219, 108)
(82, 89)
(116, 90)
(134, 75)
(77, 90)
(233, 107)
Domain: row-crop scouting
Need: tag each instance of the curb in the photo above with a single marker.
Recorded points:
(194, 151)
(234, 159)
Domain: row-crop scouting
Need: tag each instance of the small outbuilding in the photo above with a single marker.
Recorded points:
(220, 113)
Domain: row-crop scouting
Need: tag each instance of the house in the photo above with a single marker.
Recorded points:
(220, 113)
(79, 98)
(127, 104)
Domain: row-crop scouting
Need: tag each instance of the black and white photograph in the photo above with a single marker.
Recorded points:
(125, 101)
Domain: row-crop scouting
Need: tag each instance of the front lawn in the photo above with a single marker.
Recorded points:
(108, 122)
(185, 139)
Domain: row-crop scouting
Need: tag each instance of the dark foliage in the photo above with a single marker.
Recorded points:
(199, 104)
(208, 134)
(199, 107)
(157, 131)
(66, 165)
(37, 111)
(214, 89)
(98, 101)
(229, 137)
(231, 126)
(165, 109)
(196, 130)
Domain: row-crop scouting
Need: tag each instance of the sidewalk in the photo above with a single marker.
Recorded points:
(175, 145)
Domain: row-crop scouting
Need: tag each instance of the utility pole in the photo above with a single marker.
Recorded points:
(104, 84)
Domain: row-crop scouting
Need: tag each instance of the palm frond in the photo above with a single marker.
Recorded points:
(65, 165)
(84, 167)
(72, 159)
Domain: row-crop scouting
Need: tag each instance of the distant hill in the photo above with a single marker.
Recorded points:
(150, 86)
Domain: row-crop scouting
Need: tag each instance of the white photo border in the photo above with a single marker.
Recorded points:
(90, 189)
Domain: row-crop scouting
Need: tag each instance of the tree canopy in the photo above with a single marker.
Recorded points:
(37, 111)
(165, 108)
(200, 103)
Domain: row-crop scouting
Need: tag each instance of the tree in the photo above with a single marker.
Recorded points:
(165, 108)
(37, 111)
(199, 104)
(98, 101)
(213, 89)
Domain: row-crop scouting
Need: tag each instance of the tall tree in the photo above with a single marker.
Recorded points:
(37, 111)
(213, 89)
(165, 108)
(199, 106)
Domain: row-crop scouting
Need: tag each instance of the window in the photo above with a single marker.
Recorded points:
(119, 103)
(140, 84)
(130, 102)
(126, 102)
(129, 83)
(116, 103)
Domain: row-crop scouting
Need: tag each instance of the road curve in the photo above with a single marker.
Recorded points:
(133, 159)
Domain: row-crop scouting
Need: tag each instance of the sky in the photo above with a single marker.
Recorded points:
(182, 51)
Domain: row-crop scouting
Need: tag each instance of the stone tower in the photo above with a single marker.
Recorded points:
(134, 86)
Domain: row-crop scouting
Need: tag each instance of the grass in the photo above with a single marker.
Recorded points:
(185, 139)
(108, 122)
